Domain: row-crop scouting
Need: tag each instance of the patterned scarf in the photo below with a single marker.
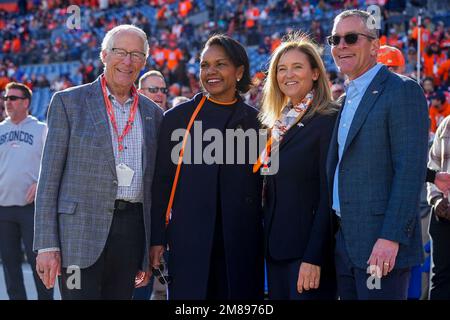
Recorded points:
(289, 116)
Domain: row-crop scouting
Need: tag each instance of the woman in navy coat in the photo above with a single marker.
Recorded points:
(298, 227)
(214, 232)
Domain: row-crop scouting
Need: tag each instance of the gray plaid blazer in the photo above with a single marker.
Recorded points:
(383, 168)
(77, 183)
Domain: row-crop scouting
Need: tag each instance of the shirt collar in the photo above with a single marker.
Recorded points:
(111, 97)
(361, 83)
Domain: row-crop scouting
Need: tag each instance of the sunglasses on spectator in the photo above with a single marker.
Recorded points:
(155, 90)
(349, 38)
(13, 98)
(158, 273)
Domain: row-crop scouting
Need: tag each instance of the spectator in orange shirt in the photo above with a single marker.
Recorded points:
(252, 14)
(425, 35)
(159, 55)
(432, 59)
(184, 7)
(174, 56)
(16, 45)
(439, 110)
(444, 69)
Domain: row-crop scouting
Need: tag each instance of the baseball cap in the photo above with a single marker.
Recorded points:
(390, 56)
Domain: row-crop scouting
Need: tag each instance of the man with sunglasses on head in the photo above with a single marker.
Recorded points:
(376, 167)
(93, 201)
(22, 139)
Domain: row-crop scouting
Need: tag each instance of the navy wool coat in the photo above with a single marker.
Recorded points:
(202, 190)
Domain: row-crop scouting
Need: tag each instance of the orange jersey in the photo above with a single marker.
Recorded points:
(437, 116)
(443, 70)
(173, 56)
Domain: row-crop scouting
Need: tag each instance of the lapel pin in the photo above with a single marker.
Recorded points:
(148, 118)
(300, 124)
(375, 91)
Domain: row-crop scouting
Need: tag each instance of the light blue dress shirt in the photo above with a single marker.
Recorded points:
(354, 93)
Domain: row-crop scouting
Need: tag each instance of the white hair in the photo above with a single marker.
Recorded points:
(364, 16)
(108, 40)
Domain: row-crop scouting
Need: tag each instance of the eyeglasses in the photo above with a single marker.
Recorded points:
(158, 273)
(13, 98)
(136, 56)
(349, 38)
(155, 89)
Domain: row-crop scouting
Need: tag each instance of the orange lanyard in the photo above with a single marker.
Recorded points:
(266, 156)
(112, 117)
(180, 158)
(267, 149)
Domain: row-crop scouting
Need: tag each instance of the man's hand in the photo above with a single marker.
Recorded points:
(308, 277)
(383, 257)
(442, 182)
(48, 266)
(156, 253)
(31, 193)
(441, 208)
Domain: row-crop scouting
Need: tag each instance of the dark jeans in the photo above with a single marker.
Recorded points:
(16, 224)
(354, 283)
(440, 259)
(112, 276)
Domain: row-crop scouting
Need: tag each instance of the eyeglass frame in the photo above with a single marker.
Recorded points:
(140, 56)
(357, 34)
(163, 90)
(13, 98)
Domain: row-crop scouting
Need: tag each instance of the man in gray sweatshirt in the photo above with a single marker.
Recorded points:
(21, 143)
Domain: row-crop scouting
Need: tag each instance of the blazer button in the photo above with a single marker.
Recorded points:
(248, 200)
(115, 182)
(111, 211)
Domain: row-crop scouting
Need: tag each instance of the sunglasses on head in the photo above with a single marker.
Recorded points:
(349, 38)
(155, 89)
(158, 273)
(12, 98)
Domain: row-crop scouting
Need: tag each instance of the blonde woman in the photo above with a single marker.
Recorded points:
(297, 108)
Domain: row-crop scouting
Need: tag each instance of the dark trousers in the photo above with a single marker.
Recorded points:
(282, 279)
(356, 284)
(218, 279)
(112, 276)
(440, 257)
(16, 224)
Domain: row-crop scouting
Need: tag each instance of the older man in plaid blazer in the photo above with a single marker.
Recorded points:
(92, 220)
